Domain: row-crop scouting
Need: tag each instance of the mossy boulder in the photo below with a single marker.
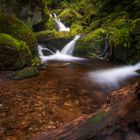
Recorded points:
(14, 54)
(27, 72)
(69, 16)
(50, 24)
(53, 39)
(123, 45)
(135, 27)
(90, 43)
(76, 28)
(13, 26)
(95, 24)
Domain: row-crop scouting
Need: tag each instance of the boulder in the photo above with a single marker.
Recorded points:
(14, 54)
(53, 39)
(90, 43)
(19, 30)
(70, 16)
(27, 72)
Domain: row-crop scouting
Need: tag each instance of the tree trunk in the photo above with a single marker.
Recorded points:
(119, 111)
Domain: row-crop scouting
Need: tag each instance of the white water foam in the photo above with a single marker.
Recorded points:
(64, 55)
(112, 78)
(60, 26)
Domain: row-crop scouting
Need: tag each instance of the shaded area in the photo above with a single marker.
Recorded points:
(116, 114)
(58, 95)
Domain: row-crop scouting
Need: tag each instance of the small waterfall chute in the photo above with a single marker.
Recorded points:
(64, 55)
(68, 49)
(60, 26)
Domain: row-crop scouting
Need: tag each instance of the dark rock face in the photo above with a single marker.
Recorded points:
(32, 12)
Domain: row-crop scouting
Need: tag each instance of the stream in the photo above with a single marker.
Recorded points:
(61, 93)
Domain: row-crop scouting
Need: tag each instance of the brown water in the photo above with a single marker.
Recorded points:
(61, 93)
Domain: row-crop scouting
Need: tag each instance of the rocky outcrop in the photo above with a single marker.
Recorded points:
(13, 26)
(14, 54)
(90, 43)
(53, 39)
(34, 13)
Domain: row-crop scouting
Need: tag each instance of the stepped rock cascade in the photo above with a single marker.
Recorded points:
(64, 55)
(60, 26)
(113, 77)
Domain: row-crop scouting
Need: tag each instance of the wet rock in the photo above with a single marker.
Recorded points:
(27, 72)
(90, 43)
(53, 39)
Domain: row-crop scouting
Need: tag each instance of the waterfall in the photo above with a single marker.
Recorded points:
(105, 48)
(64, 55)
(60, 26)
(68, 49)
(115, 76)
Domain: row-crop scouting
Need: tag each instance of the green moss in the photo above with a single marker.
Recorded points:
(98, 117)
(6, 39)
(19, 30)
(135, 27)
(36, 62)
(95, 24)
(54, 39)
(15, 53)
(96, 34)
(27, 72)
(90, 43)
(76, 28)
(50, 24)
(114, 19)
(69, 16)
(120, 33)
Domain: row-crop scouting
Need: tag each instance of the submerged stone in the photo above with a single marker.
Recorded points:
(27, 72)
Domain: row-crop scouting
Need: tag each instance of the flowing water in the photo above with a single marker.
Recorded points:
(61, 93)
(114, 77)
(60, 26)
(64, 55)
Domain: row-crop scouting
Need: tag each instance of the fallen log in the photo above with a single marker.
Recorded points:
(121, 109)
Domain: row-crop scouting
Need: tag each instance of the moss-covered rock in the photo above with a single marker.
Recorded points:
(19, 30)
(27, 72)
(90, 43)
(76, 28)
(135, 27)
(95, 24)
(69, 16)
(54, 40)
(15, 54)
(50, 24)
(123, 41)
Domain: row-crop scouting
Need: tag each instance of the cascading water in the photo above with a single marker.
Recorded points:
(106, 46)
(60, 26)
(68, 49)
(64, 55)
(112, 78)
